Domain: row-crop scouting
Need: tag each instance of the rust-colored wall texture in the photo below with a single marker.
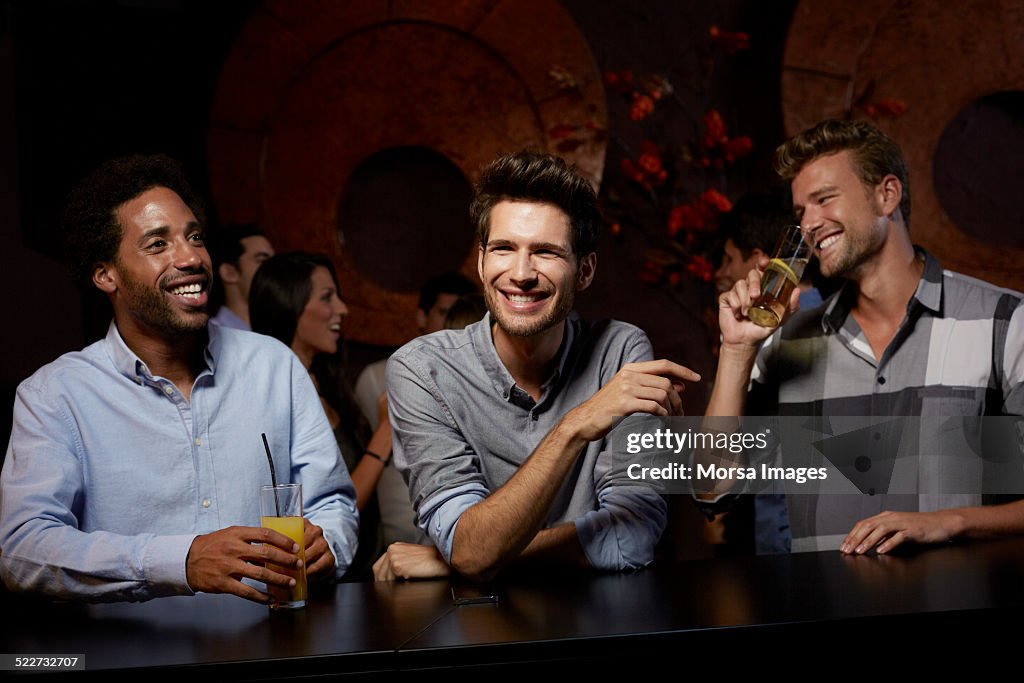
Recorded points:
(311, 90)
(944, 61)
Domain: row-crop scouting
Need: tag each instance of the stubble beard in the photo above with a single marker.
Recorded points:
(514, 326)
(152, 309)
(857, 250)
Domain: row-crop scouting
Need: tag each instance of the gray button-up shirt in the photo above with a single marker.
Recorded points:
(462, 428)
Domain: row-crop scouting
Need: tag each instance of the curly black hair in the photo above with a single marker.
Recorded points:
(92, 233)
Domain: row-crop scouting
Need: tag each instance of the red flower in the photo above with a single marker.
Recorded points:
(634, 173)
(700, 268)
(647, 170)
(651, 163)
(717, 200)
(714, 129)
(730, 41)
(642, 107)
(650, 273)
(737, 148)
(685, 217)
(699, 215)
(674, 278)
(657, 86)
(675, 220)
(620, 81)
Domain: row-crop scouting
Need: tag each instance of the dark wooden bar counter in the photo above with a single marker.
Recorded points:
(741, 613)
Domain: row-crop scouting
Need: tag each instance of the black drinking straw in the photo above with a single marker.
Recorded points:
(273, 473)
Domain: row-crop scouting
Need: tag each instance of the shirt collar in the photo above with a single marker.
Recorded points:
(928, 295)
(228, 318)
(501, 378)
(929, 290)
(132, 367)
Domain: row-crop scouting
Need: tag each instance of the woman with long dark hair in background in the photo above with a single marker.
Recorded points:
(295, 298)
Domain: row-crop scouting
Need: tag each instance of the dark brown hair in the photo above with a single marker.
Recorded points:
(875, 154)
(542, 178)
(280, 290)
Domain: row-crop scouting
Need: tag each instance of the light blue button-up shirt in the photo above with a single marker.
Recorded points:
(111, 472)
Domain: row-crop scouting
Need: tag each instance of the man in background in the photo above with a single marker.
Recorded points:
(750, 232)
(237, 251)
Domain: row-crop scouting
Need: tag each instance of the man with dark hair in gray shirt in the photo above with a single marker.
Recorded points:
(502, 429)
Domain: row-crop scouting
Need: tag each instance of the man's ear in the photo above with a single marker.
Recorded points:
(889, 194)
(756, 258)
(228, 274)
(585, 272)
(104, 276)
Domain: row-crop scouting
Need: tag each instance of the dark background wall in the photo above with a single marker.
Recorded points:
(86, 81)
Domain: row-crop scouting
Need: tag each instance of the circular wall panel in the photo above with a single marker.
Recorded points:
(939, 59)
(311, 91)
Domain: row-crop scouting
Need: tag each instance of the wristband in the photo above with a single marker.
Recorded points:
(377, 457)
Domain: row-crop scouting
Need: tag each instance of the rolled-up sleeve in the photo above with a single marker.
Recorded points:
(442, 470)
(622, 532)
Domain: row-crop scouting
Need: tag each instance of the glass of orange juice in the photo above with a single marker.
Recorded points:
(281, 510)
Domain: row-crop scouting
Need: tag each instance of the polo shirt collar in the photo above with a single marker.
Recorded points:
(928, 295)
(501, 379)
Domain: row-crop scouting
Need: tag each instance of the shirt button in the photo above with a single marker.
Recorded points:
(169, 390)
(199, 442)
(206, 503)
(881, 380)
